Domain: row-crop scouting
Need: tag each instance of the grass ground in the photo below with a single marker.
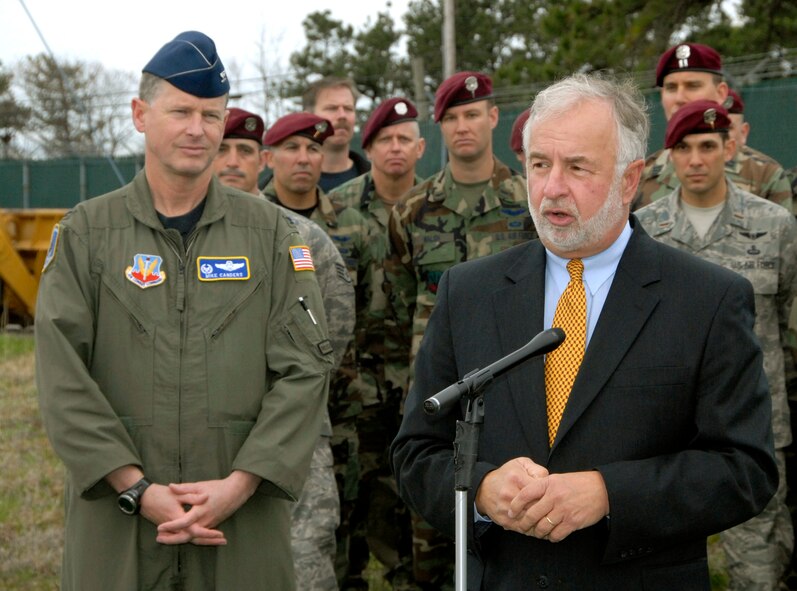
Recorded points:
(31, 511)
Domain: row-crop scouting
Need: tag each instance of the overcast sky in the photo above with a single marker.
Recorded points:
(124, 35)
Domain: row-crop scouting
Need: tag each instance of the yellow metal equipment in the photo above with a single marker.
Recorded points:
(24, 240)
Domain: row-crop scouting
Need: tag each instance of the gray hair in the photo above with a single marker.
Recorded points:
(150, 86)
(628, 109)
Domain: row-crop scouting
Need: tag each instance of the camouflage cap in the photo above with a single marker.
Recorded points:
(460, 89)
(304, 124)
(244, 125)
(696, 117)
(734, 102)
(190, 63)
(516, 138)
(688, 57)
(390, 112)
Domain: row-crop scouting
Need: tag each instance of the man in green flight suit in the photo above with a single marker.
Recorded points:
(475, 206)
(182, 358)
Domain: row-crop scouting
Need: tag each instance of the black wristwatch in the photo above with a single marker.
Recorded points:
(130, 500)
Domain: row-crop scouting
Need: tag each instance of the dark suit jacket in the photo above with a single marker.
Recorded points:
(670, 405)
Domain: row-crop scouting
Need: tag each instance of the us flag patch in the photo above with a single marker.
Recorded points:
(302, 260)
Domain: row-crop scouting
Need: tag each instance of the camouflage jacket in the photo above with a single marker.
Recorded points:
(758, 240)
(360, 193)
(750, 170)
(349, 231)
(434, 227)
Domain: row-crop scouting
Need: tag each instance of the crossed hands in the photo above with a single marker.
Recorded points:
(210, 502)
(522, 496)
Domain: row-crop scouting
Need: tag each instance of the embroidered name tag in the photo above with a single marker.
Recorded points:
(222, 268)
(146, 271)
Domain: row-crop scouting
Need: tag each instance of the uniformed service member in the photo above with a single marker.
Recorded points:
(516, 138)
(392, 141)
(689, 72)
(316, 515)
(753, 171)
(713, 219)
(475, 206)
(183, 359)
(294, 143)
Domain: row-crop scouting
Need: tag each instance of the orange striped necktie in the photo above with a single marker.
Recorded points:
(561, 364)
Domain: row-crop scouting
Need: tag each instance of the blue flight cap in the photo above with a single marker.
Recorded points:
(189, 62)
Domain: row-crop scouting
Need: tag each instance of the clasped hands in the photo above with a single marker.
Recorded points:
(210, 502)
(522, 496)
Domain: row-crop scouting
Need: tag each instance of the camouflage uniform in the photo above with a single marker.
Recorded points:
(380, 522)
(316, 515)
(750, 170)
(432, 228)
(759, 241)
(349, 386)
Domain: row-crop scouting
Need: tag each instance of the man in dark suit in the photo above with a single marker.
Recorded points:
(665, 436)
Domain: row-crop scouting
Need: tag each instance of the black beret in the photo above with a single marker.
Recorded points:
(390, 112)
(244, 125)
(305, 124)
(189, 62)
(461, 88)
(688, 57)
(696, 117)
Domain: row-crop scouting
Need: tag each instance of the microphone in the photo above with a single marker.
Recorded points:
(543, 343)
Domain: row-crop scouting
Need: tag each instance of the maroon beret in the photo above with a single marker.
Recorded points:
(244, 125)
(459, 89)
(516, 138)
(696, 117)
(734, 102)
(305, 124)
(688, 57)
(390, 112)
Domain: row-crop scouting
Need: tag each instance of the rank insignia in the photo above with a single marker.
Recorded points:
(52, 248)
(146, 271)
(222, 268)
(302, 259)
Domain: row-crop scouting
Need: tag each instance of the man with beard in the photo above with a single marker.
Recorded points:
(475, 206)
(712, 218)
(605, 465)
(335, 99)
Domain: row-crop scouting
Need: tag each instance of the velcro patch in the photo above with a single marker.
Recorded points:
(222, 268)
(302, 259)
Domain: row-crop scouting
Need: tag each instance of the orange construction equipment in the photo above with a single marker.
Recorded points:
(24, 240)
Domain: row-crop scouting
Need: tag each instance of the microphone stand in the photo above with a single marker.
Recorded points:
(466, 441)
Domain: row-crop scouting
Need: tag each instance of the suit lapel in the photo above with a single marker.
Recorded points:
(519, 311)
(625, 312)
